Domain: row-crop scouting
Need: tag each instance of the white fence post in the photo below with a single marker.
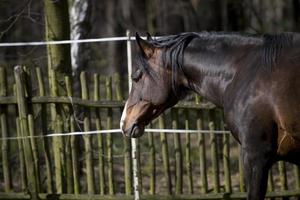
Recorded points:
(134, 141)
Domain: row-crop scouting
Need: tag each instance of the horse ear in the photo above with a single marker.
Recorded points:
(149, 38)
(146, 48)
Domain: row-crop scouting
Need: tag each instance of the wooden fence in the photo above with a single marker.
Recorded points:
(173, 166)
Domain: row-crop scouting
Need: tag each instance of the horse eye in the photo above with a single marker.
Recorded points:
(137, 75)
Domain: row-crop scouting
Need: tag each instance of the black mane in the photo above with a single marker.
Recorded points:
(273, 45)
(173, 49)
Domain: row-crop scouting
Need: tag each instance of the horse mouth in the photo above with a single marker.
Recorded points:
(137, 131)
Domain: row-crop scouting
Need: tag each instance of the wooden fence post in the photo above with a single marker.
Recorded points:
(22, 107)
(178, 153)
(126, 142)
(74, 152)
(214, 153)
(72, 172)
(270, 181)
(57, 142)
(297, 176)
(21, 156)
(226, 157)
(28, 89)
(68, 149)
(87, 138)
(99, 137)
(165, 155)
(109, 139)
(202, 149)
(34, 149)
(282, 175)
(241, 171)
(45, 141)
(188, 154)
(152, 164)
(226, 161)
(5, 148)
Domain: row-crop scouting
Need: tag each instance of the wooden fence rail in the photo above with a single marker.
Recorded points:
(173, 166)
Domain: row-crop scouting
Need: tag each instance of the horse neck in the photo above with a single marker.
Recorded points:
(211, 69)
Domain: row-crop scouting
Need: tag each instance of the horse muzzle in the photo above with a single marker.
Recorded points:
(136, 130)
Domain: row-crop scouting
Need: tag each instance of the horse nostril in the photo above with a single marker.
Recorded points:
(154, 111)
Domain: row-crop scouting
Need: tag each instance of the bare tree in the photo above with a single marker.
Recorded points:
(177, 16)
(80, 16)
(268, 15)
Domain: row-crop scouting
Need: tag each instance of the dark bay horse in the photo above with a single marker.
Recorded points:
(255, 79)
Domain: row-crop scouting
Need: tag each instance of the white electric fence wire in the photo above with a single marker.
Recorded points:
(92, 40)
(116, 131)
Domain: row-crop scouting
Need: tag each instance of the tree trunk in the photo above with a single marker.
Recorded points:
(80, 16)
(134, 15)
(59, 65)
(113, 30)
(296, 6)
(268, 15)
(58, 28)
(174, 17)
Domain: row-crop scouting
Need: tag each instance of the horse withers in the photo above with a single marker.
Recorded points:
(255, 79)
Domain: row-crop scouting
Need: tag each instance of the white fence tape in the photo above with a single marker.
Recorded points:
(92, 40)
(117, 131)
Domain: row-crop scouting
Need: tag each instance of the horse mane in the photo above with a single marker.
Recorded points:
(273, 46)
(172, 55)
(173, 47)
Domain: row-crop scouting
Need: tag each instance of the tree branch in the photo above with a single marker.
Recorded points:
(16, 18)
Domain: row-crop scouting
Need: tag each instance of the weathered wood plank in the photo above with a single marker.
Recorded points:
(126, 143)
(109, 139)
(45, 141)
(87, 139)
(202, 149)
(282, 175)
(165, 155)
(74, 152)
(35, 152)
(152, 164)
(21, 156)
(241, 171)
(214, 154)
(99, 104)
(68, 149)
(5, 147)
(226, 163)
(56, 126)
(99, 136)
(188, 161)
(297, 176)
(178, 154)
(23, 113)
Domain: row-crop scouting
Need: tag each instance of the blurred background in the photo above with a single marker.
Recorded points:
(23, 20)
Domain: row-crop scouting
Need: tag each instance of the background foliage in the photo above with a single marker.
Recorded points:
(23, 20)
